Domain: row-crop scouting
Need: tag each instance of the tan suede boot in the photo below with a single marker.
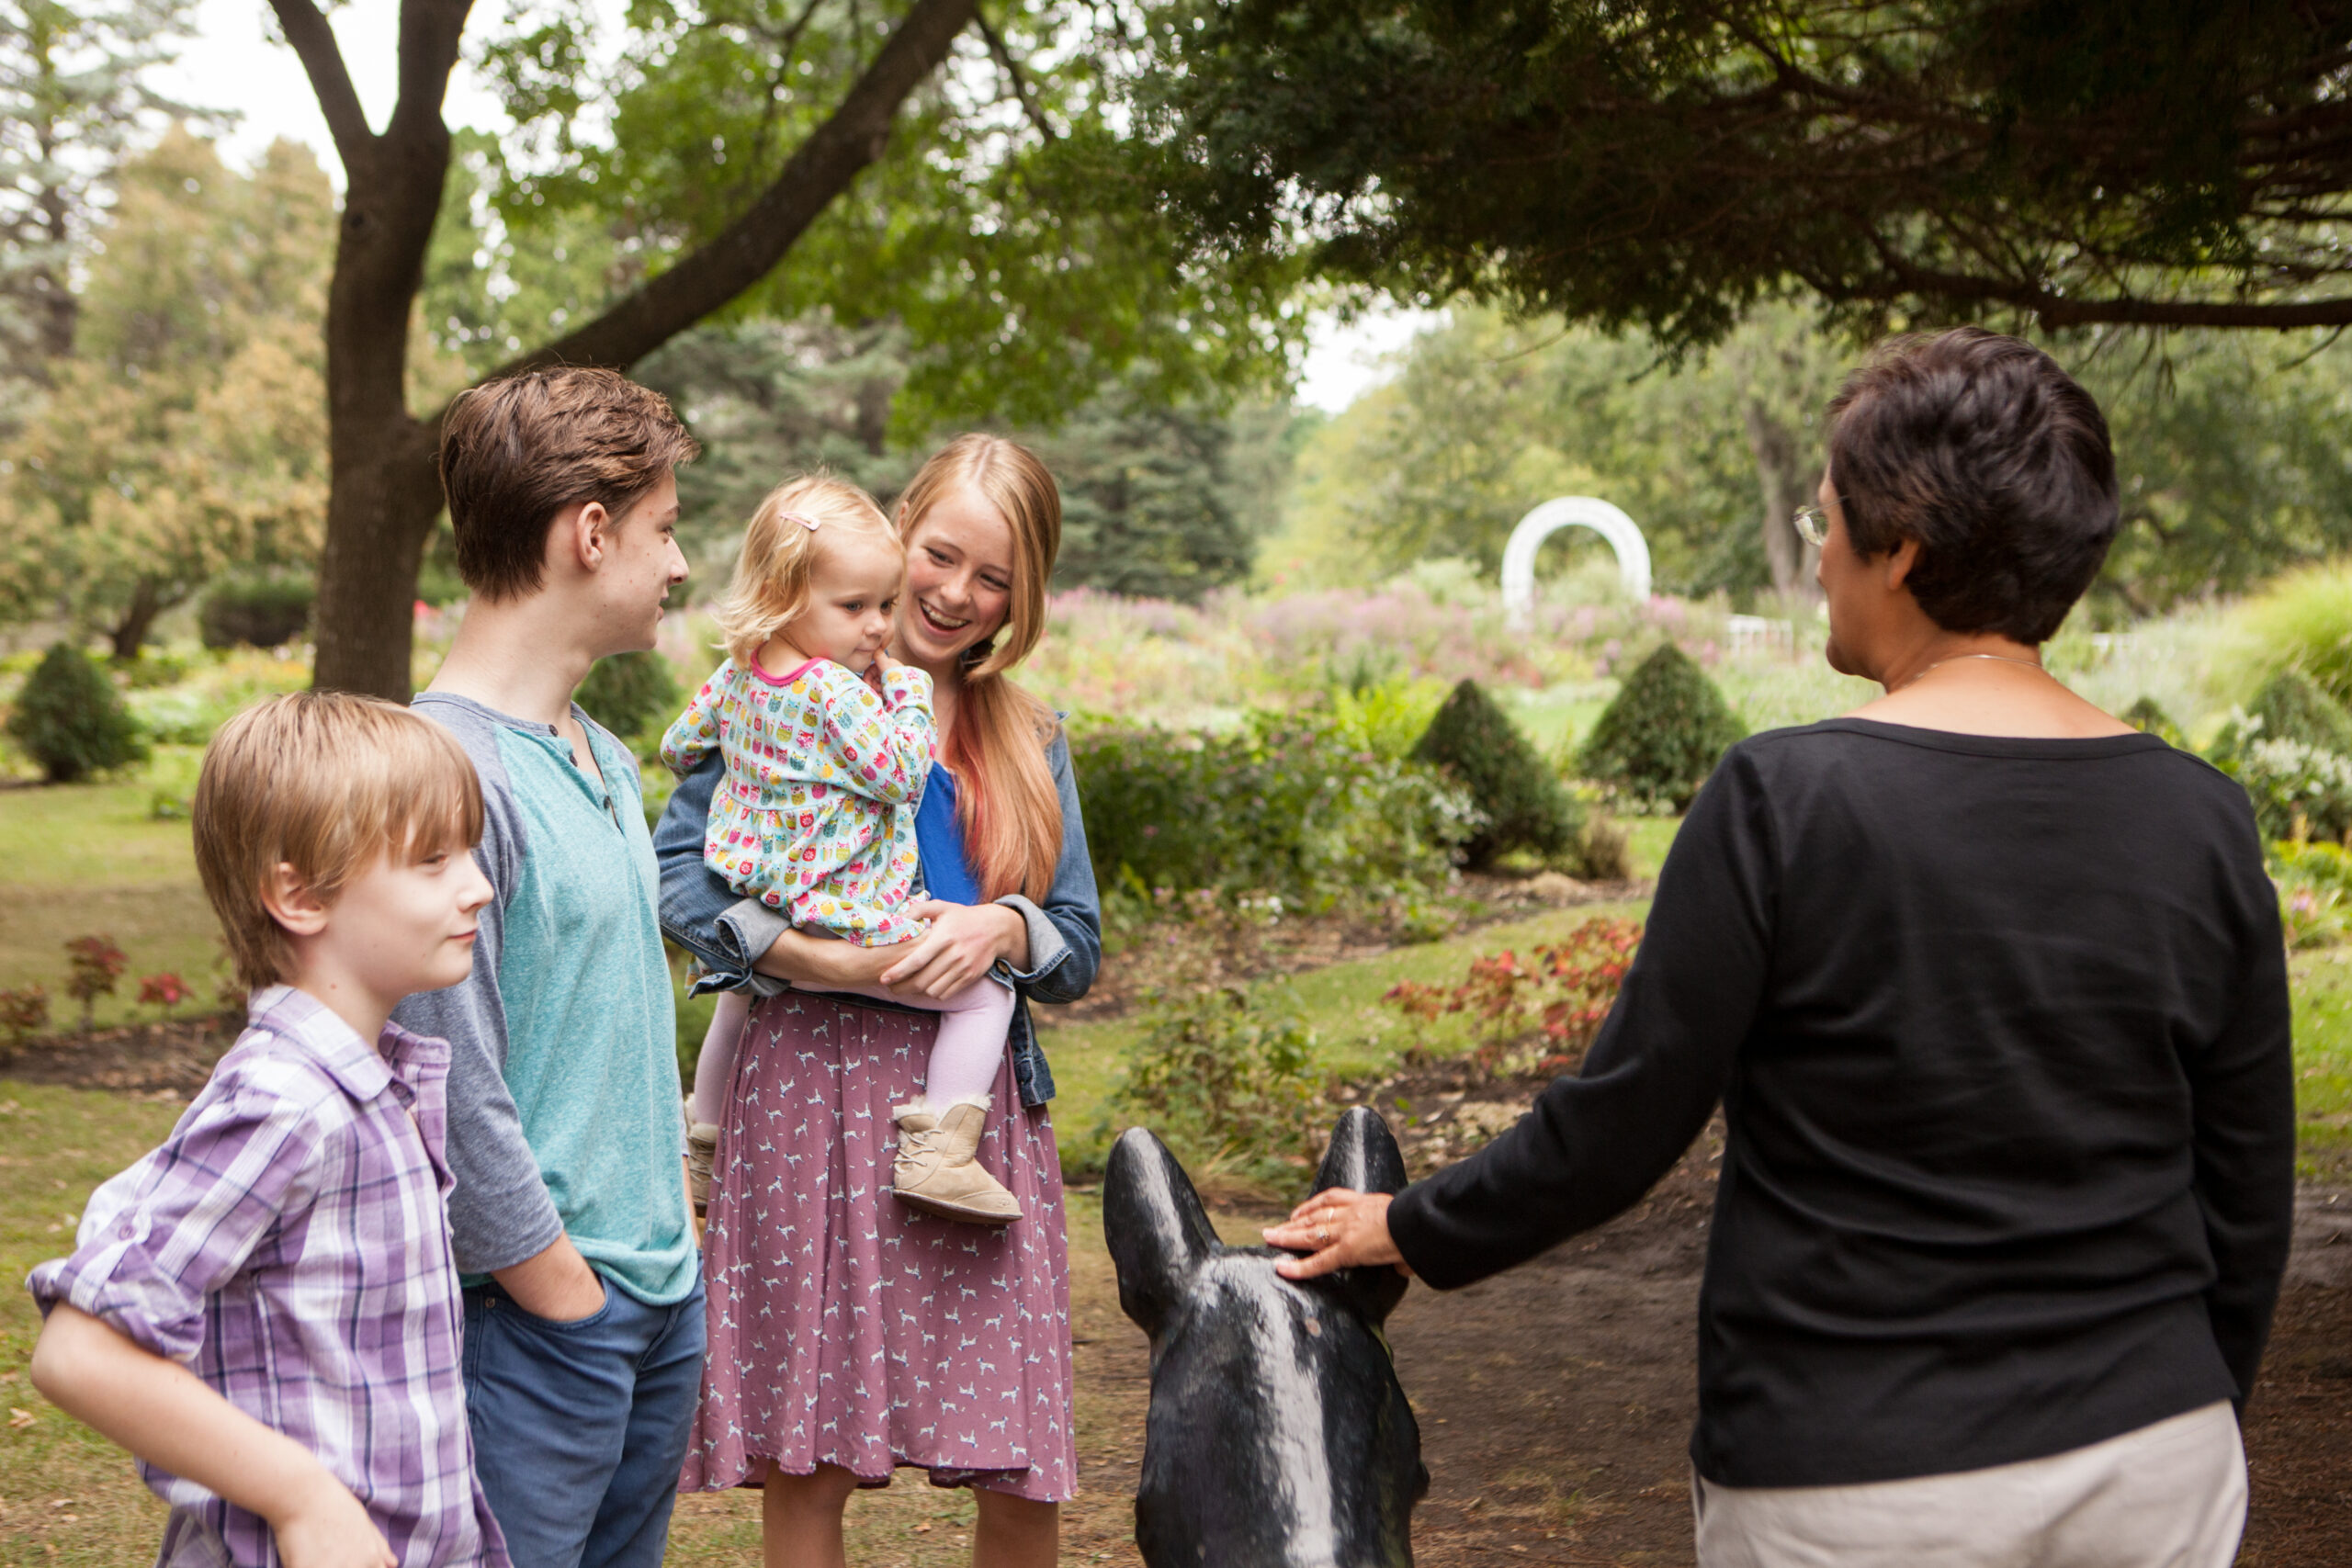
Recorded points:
(702, 1147)
(934, 1171)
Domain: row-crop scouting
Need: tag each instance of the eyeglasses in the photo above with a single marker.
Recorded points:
(1812, 526)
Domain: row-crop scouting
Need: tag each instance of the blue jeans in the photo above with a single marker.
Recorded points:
(580, 1427)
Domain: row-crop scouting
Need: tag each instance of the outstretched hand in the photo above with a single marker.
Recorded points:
(1338, 1229)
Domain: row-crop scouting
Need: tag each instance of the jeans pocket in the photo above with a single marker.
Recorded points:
(565, 1324)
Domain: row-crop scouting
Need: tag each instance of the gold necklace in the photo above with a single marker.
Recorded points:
(1996, 658)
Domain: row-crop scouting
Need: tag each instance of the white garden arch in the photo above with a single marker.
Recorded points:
(1625, 536)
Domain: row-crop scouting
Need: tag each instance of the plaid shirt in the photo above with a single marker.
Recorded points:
(289, 1244)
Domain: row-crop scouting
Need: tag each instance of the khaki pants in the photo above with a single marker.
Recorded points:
(2167, 1495)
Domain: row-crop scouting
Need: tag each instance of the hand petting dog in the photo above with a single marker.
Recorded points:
(1338, 1229)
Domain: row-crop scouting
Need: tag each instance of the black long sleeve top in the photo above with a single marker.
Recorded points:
(2000, 1028)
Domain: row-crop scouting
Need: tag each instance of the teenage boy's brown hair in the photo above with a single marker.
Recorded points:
(515, 452)
(324, 781)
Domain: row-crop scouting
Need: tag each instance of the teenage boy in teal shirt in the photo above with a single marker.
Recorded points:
(583, 1301)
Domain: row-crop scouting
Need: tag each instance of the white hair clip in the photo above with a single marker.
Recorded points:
(807, 522)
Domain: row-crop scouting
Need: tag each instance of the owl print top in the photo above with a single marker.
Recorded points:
(817, 817)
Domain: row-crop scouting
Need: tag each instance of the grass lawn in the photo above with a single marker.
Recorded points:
(92, 858)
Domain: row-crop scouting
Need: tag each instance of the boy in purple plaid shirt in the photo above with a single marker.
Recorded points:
(265, 1310)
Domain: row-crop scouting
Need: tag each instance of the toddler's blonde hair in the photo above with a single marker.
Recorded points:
(770, 588)
(324, 781)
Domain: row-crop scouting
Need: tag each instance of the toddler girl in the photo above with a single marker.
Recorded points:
(817, 817)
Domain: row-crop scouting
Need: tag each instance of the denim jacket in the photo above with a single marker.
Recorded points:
(729, 933)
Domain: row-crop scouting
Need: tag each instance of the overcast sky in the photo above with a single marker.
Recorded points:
(233, 64)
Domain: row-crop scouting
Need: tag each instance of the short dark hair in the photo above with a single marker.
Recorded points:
(1981, 448)
(516, 451)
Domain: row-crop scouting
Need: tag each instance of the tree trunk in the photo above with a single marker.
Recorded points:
(386, 489)
(129, 633)
(1786, 484)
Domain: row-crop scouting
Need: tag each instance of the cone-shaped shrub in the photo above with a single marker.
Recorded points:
(1524, 806)
(1657, 743)
(70, 720)
(2148, 717)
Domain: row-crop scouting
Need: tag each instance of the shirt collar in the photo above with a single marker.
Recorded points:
(363, 1071)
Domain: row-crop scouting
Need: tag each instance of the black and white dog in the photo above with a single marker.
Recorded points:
(1279, 1437)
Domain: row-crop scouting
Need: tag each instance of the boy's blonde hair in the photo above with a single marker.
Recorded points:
(324, 781)
(781, 551)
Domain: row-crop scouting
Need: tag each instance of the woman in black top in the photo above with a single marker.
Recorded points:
(1992, 990)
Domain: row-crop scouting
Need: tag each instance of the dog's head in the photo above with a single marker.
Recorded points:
(1278, 1437)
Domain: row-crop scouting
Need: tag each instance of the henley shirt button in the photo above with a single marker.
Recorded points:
(124, 1231)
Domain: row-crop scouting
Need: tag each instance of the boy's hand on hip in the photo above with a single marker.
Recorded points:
(329, 1527)
(557, 1284)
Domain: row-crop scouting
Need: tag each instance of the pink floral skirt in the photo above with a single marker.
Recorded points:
(849, 1329)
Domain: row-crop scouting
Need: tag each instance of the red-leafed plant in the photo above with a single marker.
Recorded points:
(1536, 1014)
(97, 966)
(165, 991)
(24, 1012)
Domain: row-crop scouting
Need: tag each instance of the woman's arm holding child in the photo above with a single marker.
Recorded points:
(166, 1415)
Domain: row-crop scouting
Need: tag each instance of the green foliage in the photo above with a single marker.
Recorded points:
(1286, 806)
(2302, 621)
(2299, 790)
(1655, 744)
(1668, 166)
(186, 434)
(2148, 717)
(2291, 708)
(635, 695)
(2314, 891)
(1228, 1079)
(266, 611)
(1521, 799)
(69, 719)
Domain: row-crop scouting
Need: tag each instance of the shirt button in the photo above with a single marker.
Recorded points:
(125, 1232)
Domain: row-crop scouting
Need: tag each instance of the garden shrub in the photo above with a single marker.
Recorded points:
(2148, 717)
(1285, 806)
(1661, 737)
(24, 1012)
(635, 695)
(2314, 891)
(2299, 791)
(70, 720)
(257, 612)
(1521, 800)
(1228, 1079)
(2291, 708)
(1536, 1014)
(95, 966)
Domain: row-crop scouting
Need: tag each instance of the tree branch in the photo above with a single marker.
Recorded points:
(428, 52)
(2064, 310)
(1012, 68)
(312, 41)
(749, 247)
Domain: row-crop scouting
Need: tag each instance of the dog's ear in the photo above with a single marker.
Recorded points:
(1158, 1232)
(1363, 1156)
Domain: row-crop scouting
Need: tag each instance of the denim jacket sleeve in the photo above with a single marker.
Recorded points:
(699, 911)
(1065, 933)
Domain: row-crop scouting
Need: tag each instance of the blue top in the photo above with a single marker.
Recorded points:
(728, 933)
(939, 839)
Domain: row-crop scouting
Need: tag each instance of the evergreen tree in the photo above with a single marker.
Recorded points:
(1147, 500)
(1522, 801)
(1658, 740)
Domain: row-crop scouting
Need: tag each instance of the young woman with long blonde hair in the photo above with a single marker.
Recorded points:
(850, 1335)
